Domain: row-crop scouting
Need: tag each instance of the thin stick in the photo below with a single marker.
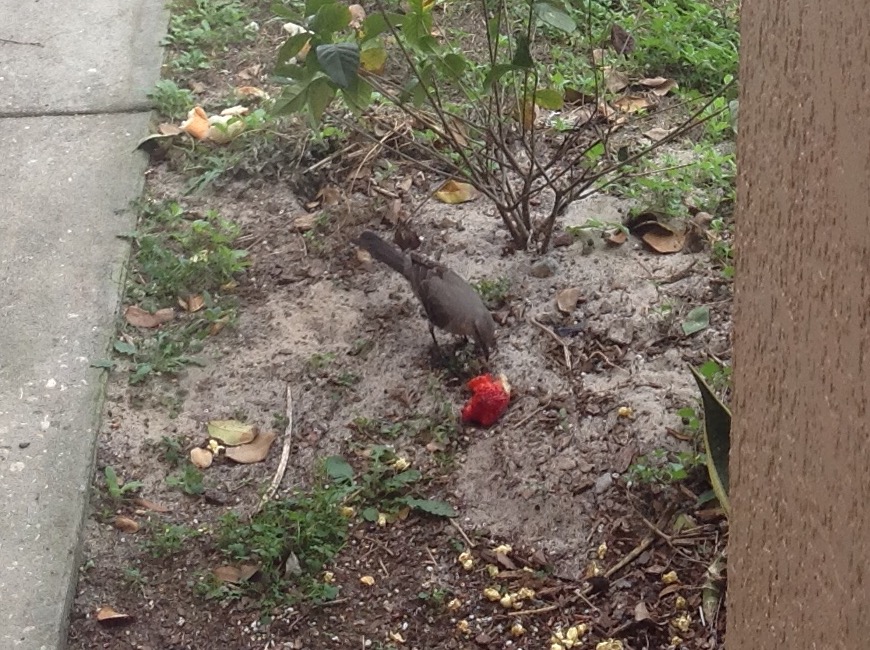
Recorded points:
(462, 532)
(285, 455)
(558, 339)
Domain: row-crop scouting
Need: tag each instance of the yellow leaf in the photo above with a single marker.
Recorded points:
(456, 192)
(232, 432)
(373, 59)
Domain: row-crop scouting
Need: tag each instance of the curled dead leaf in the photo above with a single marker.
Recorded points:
(566, 299)
(616, 238)
(150, 505)
(169, 129)
(304, 222)
(456, 192)
(192, 304)
(253, 452)
(657, 133)
(125, 524)
(614, 80)
(236, 574)
(662, 239)
(659, 86)
(138, 317)
(202, 458)
(232, 432)
(632, 104)
(109, 617)
(621, 40)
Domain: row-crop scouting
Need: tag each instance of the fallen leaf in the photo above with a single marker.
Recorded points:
(621, 40)
(598, 55)
(566, 299)
(641, 613)
(329, 195)
(253, 452)
(125, 524)
(617, 238)
(632, 104)
(659, 86)
(138, 317)
(169, 129)
(233, 574)
(150, 505)
(456, 192)
(232, 432)
(696, 320)
(657, 133)
(110, 618)
(202, 458)
(305, 222)
(192, 304)
(251, 92)
(663, 240)
(614, 80)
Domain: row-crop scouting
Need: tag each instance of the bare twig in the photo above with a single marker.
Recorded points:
(285, 456)
(558, 339)
(462, 532)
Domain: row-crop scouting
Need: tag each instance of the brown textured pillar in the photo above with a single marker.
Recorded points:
(799, 555)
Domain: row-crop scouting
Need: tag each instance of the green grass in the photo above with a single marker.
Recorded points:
(170, 100)
(199, 30)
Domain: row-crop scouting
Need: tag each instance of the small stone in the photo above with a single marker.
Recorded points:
(562, 239)
(543, 268)
(603, 483)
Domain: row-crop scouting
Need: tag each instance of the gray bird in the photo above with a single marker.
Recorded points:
(449, 301)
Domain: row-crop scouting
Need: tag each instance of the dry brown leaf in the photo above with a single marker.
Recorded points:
(232, 432)
(330, 195)
(217, 327)
(125, 524)
(566, 299)
(251, 92)
(621, 40)
(598, 55)
(617, 238)
(236, 574)
(253, 452)
(202, 458)
(526, 113)
(632, 104)
(192, 304)
(305, 222)
(456, 192)
(197, 87)
(659, 86)
(662, 239)
(110, 618)
(657, 133)
(614, 80)
(641, 613)
(169, 129)
(138, 317)
(150, 505)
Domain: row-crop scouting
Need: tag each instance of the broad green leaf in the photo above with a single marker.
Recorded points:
(455, 64)
(493, 25)
(379, 23)
(522, 57)
(717, 440)
(554, 17)
(141, 372)
(125, 348)
(432, 506)
(107, 364)
(405, 478)
(278, 9)
(293, 99)
(340, 62)
(497, 72)
(313, 6)
(370, 514)
(329, 19)
(358, 96)
(338, 469)
(696, 320)
(549, 98)
(291, 47)
(320, 94)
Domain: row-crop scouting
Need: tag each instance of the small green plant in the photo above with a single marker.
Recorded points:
(171, 450)
(116, 487)
(199, 29)
(165, 540)
(385, 487)
(133, 577)
(663, 467)
(170, 100)
(189, 480)
(306, 531)
(493, 292)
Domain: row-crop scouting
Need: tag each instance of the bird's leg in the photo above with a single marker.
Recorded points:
(432, 332)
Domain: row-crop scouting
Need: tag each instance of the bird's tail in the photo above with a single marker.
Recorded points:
(382, 251)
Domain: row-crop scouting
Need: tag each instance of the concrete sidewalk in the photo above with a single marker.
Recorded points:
(73, 84)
